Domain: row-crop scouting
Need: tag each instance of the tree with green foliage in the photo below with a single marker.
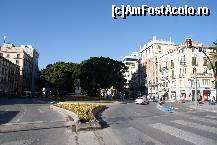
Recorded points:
(60, 77)
(99, 73)
(213, 58)
(213, 63)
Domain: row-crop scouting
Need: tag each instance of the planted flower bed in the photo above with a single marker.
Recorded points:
(85, 112)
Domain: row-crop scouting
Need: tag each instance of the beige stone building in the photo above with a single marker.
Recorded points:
(150, 54)
(26, 57)
(9, 77)
(170, 70)
(131, 62)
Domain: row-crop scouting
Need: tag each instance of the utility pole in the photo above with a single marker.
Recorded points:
(214, 48)
(195, 78)
(195, 94)
(189, 45)
(157, 81)
(158, 93)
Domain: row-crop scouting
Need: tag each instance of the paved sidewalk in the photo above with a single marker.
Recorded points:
(205, 106)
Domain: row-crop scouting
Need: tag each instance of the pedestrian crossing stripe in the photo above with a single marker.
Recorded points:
(140, 136)
(206, 120)
(181, 134)
(18, 142)
(197, 126)
(210, 116)
(109, 137)
(136, 137)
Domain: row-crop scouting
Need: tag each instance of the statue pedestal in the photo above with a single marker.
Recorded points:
(77, 91)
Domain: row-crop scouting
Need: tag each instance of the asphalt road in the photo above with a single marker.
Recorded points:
(23, 115)
(131, 124)
(125, 124)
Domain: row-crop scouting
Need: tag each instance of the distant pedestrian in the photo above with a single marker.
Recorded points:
(200, 98)
(153, 98)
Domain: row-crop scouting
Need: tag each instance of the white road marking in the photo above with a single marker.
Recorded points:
(204, 120)
(136, 113)
(18, 142)
(21, 116)
(40, 111)
(185, 135)
(141, 138)
(210, 116)
(197, 126)
(20, 123)
(211, 121)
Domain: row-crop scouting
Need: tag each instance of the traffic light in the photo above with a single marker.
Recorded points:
(200, 49)
(189, 42)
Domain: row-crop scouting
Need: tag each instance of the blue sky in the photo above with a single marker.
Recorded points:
(74, 30)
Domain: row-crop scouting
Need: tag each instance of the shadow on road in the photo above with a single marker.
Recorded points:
(6, 116)
(102, 122)
(12, 101)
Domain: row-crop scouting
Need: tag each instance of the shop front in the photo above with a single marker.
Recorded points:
(206, 94)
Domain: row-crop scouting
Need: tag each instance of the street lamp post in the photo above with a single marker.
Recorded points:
(158, 93)
(195, 79)
(195, 93)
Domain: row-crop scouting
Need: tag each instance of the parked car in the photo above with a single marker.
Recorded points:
(154, 99)
(26, 94)
(142, 100)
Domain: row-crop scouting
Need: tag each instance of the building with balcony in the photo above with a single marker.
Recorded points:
(181, 74)
(26, 57)
(131, 62)
(9, 77)
(171, 68)
(152, 60)
(135, 75)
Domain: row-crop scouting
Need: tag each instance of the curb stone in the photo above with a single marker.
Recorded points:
(200, 108)
(89, 126)
(70, 115)
(93, 125)
(78, 125)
